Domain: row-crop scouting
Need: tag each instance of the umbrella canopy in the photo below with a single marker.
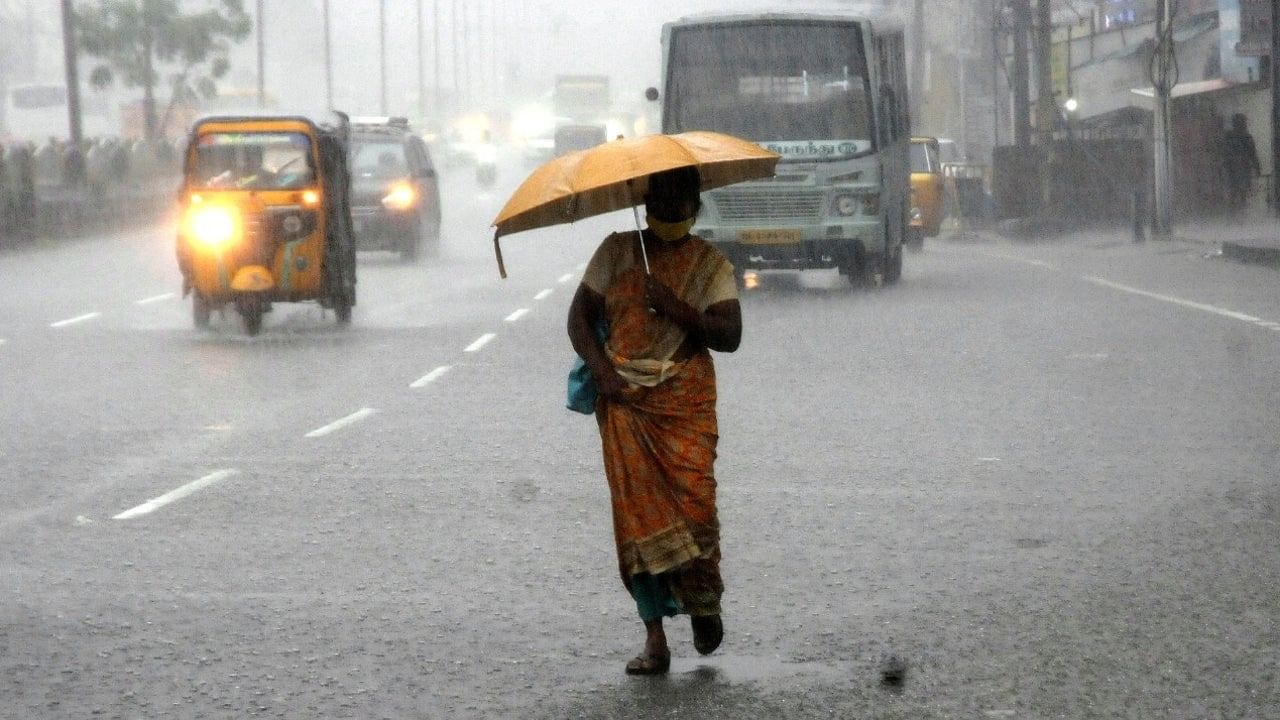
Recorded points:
(615, 176)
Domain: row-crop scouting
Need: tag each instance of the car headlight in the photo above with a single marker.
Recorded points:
(212, 226)
(846, 205)
(402, 196)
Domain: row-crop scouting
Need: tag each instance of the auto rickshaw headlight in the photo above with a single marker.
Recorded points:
(212, 226)
(402, 196)
(917, 214)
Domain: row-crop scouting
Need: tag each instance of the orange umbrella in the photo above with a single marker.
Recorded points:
(615, 175)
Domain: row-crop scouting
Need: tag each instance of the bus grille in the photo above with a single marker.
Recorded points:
(747, 205)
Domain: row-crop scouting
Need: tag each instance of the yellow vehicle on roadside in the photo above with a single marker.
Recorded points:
(927, 191)
(266, 217)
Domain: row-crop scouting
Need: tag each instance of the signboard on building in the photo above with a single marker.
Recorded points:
(1255, 28)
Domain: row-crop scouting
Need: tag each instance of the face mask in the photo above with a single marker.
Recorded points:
(669, 232)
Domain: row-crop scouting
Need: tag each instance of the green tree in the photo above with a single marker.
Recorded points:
(145, 42)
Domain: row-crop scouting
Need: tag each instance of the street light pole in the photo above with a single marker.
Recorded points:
(328, 59)
(382, 51)
(71, 57)
(435, 35)
(1275, 107)
(422, 78)
(1162, 82)
(262, 84)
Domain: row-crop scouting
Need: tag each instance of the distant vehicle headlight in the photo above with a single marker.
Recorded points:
(846, 205)
(486, 154)
(212, 226)
(401, 196)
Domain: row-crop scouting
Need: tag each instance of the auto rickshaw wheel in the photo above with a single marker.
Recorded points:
(251, 311)
(200, 310)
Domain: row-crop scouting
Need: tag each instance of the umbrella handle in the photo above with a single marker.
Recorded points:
(635, 213)
(497, 250)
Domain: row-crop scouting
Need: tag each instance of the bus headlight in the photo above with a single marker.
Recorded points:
(846, 205)
(212, 226)
(871, 204)
(401, 197)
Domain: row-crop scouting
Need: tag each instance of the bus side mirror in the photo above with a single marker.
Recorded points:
(651, 94)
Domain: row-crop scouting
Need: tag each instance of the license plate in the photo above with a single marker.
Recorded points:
(769, 237)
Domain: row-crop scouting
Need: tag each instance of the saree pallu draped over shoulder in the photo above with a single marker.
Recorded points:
(659, 443)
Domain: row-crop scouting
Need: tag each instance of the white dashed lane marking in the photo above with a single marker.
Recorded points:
(517, 315)
(544, 294)
(351, 419)
(430, 377)
(565, 278)
(153, 299)
(1222, 312)
(76, 319)
(480, 342)
(175, 495)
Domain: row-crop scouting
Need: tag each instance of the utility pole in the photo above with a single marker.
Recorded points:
(1162, 81)
(435, 66)
(262, 83)
(1046, 106)
(997, 57)
(1275, 106)
(328, 59)
(466, 53)
(918, 45)
(1021, 74)
(382, 51)
(72, 55)
(457, 71)
(422, 72)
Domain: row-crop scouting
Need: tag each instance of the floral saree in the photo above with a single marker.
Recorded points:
(659, 442)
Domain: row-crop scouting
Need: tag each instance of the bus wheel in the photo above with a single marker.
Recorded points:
(893, 267)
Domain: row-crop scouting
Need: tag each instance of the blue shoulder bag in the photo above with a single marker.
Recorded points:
(582, 388)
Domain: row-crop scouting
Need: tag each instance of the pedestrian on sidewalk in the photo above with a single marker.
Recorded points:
(1239, 164)
(657, 407)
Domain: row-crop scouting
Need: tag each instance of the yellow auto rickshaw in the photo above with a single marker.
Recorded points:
(266, 217)
(927, 189)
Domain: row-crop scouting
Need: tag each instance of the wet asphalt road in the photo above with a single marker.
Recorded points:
(1044, 475)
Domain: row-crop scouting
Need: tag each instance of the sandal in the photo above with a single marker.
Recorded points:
(708, 631)
(649, 665)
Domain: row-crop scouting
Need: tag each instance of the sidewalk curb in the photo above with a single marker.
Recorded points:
(1251, 254)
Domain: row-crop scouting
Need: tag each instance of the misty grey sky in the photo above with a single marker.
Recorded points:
(534, 40)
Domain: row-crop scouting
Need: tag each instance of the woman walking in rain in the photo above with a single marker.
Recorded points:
(657, 407)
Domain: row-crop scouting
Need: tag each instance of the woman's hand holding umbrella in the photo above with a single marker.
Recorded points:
(664, 301)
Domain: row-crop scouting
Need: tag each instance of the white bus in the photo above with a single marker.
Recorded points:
(37, 112)
(829, 93)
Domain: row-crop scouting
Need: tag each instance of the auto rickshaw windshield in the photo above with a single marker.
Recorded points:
(253, 161)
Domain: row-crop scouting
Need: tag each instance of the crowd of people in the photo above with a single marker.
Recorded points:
(56, 184)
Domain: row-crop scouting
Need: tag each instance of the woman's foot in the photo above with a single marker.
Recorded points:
(708, 631)
(649, 665)
(656, 658)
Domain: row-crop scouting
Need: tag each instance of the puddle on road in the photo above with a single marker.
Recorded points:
(742, 669)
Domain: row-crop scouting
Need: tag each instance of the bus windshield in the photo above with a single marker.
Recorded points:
(798, 88)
